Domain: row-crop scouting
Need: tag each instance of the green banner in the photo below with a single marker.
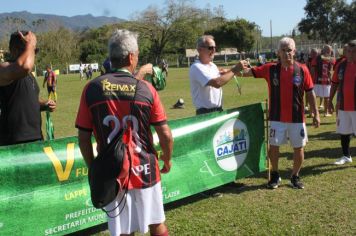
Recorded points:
(44, 189)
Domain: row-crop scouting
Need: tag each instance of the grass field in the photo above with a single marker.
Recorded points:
(327, 205)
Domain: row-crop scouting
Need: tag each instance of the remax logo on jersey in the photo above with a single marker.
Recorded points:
(231, 144)
(107, 86)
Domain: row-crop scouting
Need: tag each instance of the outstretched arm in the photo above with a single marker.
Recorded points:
(145, 69)
(228, 75)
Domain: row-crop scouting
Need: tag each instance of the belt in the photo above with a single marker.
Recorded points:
(208, 110)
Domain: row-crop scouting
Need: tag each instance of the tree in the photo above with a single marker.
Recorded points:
(236, 33)
(57, 47)
(324, 19)
(170, 30)
(93, 43)
(349, 32)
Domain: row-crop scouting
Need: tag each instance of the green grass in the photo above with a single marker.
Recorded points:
(327, 205)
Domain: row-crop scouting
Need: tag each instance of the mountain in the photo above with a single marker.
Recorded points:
(24, 20)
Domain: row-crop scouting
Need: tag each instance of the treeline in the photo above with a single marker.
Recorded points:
(166, 32)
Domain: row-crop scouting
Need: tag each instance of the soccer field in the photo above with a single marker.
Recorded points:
(327, 205)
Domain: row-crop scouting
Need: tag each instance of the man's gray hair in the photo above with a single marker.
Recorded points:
(326, 48)
(315, 50)
(121, 43)
(286, 41)
(201, 42)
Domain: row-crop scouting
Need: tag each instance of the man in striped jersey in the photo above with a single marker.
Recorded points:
(109, 104)
(344, 82)
(287, 82)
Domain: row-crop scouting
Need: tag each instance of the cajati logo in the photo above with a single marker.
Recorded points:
(231, 144)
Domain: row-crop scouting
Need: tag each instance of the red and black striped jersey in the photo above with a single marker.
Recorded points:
(323, 68)
(345, 76)
(106, 108)
(286, 90)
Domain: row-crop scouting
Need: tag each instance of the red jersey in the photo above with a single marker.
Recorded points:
(51, 79)
(323, 68)
(309, 65)
(105, 108)
(286, 88)
(339, 60)
(345, 77)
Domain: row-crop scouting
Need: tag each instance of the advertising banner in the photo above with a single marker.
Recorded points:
(44, 187)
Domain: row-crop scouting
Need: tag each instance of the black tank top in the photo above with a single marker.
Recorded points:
(20, 116)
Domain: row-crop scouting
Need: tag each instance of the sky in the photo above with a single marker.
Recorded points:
(282, 15)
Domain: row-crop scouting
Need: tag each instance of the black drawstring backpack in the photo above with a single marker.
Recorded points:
(107, 167)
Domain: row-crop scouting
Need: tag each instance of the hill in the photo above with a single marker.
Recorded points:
(24, 20)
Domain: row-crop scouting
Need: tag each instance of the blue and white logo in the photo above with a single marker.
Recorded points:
(340, 75)
(231, 144)
(297, 80)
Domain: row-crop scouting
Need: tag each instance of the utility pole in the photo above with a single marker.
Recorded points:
(270, 26)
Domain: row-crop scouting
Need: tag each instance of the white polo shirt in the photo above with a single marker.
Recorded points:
(203, 95)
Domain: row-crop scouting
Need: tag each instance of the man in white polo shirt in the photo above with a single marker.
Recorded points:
(206, 79)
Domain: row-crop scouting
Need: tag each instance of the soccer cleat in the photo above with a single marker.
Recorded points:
(343, 160)
(274, 181)
(296, 183)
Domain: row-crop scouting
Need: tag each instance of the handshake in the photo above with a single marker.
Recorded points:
(240, 67)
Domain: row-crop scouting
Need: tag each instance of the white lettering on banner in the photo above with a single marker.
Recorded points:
(171, 194)
(88, 202)
(64, 227)
(78, 222)
(96, 218)
(141, 168)
(80, 213)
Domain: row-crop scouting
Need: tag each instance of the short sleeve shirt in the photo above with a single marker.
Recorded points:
(204, 96)
(345, 77)
(286, 90)
(105, 106)
(51, 79)
(323, 68)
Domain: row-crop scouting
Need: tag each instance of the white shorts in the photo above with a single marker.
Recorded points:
(143, 207)
(322, 91)
(346, 122)
(280, 132)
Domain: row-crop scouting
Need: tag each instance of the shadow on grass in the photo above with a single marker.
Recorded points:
(310, 124)
(214, 193)
(329, 135)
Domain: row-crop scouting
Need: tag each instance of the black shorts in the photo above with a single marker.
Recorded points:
(51, 89)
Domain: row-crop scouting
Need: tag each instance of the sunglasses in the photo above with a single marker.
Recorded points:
(211, 48)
